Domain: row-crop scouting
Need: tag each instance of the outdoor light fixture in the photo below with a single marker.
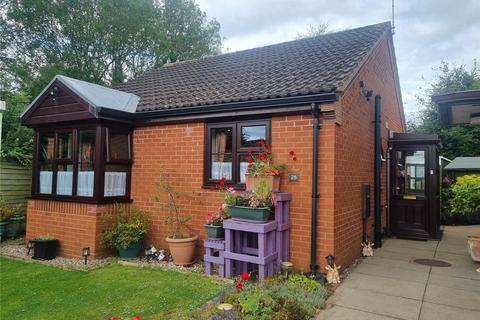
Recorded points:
(55, 93)
(30, 246)
(364, 91)
(330, 259)
(287, 267)
(86, 253)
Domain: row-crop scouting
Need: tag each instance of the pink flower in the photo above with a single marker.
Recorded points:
(231, 190)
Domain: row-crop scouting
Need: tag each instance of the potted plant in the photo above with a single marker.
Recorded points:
(16, 220)
(261, 168)
(181, 243)
(255, 206)
(6, 212)
(45, 247)
(214, 224)
(124, 231)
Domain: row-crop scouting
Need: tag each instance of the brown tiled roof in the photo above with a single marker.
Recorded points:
(301, 67)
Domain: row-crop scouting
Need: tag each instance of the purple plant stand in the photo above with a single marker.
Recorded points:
(250, 246)
(211, 247)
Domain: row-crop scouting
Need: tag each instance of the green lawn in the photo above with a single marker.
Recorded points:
(37, 291)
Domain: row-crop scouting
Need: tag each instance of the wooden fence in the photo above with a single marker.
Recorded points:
(15, 182)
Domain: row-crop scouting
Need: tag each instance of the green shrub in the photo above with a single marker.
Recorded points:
(466, 195)
(297, 298)
(6, 210)
(124, 228)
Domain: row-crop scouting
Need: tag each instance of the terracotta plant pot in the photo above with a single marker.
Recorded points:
(252, 182)
(474, 247)
(182, 250)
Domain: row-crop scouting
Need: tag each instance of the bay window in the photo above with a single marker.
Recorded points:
(228, 146)
(91, 163)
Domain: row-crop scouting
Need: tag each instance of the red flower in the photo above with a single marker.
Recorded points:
(245, 276)
(275, 172)
(222, 181)
(250, 165)
(212, 188)
(114, 318)
(294, 158)
(291, 152)
(136, 318)
(262, 142)
(269, 146)
(239, 285)
(249, 159)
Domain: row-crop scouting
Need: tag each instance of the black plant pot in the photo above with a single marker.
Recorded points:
(45, 249)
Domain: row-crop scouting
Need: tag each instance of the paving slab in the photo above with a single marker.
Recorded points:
(404, 256)
(431, 311)
(419, 245)
(455, 282)
(377, 303)
(388, 286)
(394, 272)
(342, 313)
(388, 262)
(452, 297)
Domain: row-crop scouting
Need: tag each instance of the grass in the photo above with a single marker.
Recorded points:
(37, 291)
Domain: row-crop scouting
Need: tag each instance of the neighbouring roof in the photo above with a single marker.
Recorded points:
(460, 107)
(95, 95)
(464, 164)
(321, 64)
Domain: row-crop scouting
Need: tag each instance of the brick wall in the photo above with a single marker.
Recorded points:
(354, 150)
(179, 149)
(76, 225)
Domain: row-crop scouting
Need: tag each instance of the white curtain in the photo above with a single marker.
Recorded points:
(221, 170)
(243, 170)
(46, 181)
(85, 183)
(64, 182)
(115, 184)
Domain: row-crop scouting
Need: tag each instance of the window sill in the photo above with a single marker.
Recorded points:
(81, 199)
(238, 187)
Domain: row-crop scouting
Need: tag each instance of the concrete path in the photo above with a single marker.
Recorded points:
(390, 286)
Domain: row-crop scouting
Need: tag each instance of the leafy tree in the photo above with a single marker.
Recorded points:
(17, 140)
(457, 140)
(100, 41)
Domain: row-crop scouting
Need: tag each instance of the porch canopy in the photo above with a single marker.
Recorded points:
(83, 144)
(460, 107)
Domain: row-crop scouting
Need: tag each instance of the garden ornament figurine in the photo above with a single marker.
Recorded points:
(333, 276)
(151, 253)
(367, 250)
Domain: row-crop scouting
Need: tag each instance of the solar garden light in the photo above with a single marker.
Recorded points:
(30, 246)
(287, 267)
(86, 253)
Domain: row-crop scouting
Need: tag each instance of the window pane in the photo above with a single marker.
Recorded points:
(115, 180)
(45, 165)
(221, 153)
(64, 179)
(64, 145)
(410, 172)
(86, 161)
(251, 135)
(243, 167)
(119, 146)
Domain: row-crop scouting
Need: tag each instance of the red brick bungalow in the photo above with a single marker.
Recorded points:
(95, 146)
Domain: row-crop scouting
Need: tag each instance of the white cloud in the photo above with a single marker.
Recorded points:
(427, 31)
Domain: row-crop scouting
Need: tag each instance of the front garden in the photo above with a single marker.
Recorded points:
(31, 290)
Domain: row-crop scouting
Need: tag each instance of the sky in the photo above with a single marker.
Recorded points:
(426, 31)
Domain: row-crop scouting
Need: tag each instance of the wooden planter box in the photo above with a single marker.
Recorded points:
(252, 182)
(257, 215)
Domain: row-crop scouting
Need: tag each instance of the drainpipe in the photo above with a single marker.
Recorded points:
(378, 171)
(315, 195)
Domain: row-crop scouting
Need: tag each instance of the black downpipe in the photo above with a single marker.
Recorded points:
(378, 171)
(313, 240)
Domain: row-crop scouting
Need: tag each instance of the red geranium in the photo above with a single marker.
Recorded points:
(239, 285)
(245, 276)
(136, 318)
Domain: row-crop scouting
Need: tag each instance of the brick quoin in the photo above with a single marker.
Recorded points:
(345, 163)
